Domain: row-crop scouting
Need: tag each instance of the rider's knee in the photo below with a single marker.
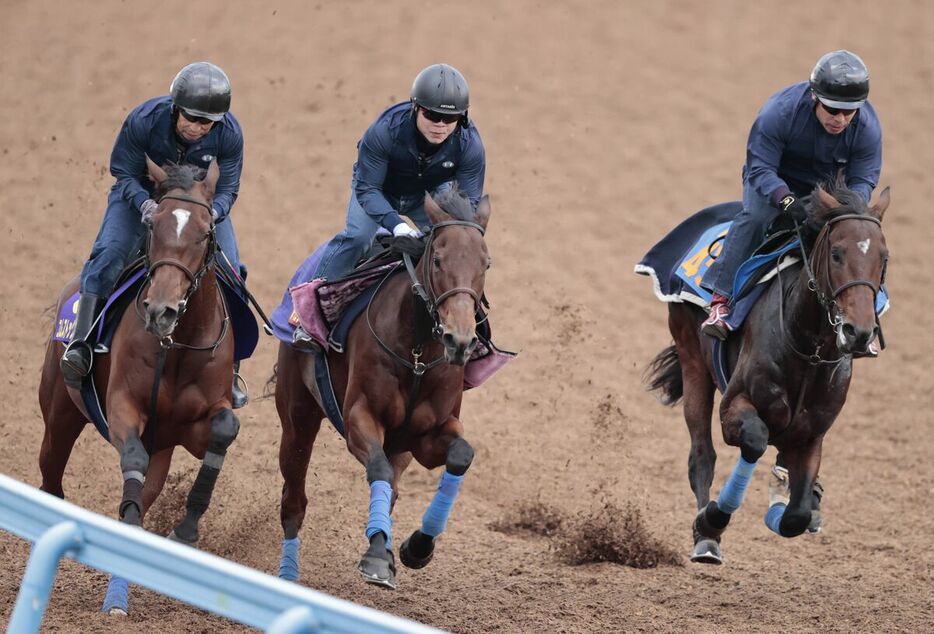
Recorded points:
(460, 455)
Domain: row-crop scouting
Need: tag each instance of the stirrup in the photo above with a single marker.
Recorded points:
(239, 397)
(303, 341)
(72, 373)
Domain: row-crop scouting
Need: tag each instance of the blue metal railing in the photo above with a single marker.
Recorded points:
(206, 581)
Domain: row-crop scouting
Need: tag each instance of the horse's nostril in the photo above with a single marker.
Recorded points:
(849, 331)
(448, 340)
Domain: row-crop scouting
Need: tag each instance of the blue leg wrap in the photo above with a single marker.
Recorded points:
(436, 515)
(773, 517)
(117, 595)
(288, 566)
(380, 503)
(731, 496)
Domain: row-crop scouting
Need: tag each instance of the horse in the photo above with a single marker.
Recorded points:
(166, 381)
(791, 366)
(399, 393)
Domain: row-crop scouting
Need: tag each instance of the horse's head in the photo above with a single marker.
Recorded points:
(849, 260)
(181, 241)
(454, 268)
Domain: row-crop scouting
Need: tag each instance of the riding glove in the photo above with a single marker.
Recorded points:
(403, 229)
(147, 209)
(793, 207)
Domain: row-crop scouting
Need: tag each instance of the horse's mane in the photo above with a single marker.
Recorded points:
(179, 177)
(850, 201)
(456, 204)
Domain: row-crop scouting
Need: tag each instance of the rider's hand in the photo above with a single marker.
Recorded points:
(793, 207)
(403, 229)
(147, 209)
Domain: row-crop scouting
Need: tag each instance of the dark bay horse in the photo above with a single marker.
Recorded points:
(791, 366)
(166, 380)
(400, 397)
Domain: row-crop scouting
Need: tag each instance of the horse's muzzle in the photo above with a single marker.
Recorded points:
(852, 338)
(458, 348)
(161, 319)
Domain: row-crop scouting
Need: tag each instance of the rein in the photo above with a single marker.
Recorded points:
(432, 302)
(827, 301)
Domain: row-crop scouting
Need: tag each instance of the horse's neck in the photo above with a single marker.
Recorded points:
(806, 321)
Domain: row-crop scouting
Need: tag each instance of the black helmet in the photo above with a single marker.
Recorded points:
(840, 80)
(203, 90)
(441, 88)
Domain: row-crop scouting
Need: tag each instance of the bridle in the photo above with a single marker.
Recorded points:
(820, 255)
(432, 301)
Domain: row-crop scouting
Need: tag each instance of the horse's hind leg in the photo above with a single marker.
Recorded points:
(63, 424)
(224, 429)
(418, 550)
(698, 394)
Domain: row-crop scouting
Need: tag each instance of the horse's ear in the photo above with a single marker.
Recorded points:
(156, 173)
(210, 180)
(435, 213)
(826, 202)
(878, 210)
(483, 212)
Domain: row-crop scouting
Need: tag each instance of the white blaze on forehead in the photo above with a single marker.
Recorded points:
(863, 246)
(182, 216)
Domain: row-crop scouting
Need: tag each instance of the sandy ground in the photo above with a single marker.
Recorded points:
(605, 123)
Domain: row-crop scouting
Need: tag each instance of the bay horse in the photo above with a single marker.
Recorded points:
(791, 366)
(166, 381)
(400, 396)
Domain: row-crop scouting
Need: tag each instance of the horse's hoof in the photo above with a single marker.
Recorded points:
(817, 523)
(410, 560)
(174, 537)
(378, 571)
(707, 551)
(116, 612)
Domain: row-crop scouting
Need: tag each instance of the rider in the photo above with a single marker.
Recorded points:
(190, 125)
(426, 144)
(801, 137)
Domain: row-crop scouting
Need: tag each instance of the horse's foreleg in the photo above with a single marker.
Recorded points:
(224, 429)
(803, 465)
(155, 477)
(365, 441)
(134, 462)
(753, 439)
(418, 549)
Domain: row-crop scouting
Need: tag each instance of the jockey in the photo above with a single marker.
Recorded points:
(191, 125)
(426, 144)
(801, 137)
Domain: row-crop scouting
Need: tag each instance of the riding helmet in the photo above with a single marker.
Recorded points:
(840, 80)
(203, 90)
(441, 88)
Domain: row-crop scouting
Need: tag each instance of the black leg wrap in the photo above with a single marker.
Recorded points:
(711, 522)
(460, 455)
(753, 437)
(131, 506)
(378, 468)
(224, 429)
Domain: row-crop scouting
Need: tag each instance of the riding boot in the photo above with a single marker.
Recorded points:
(239, 396)
(76, 362)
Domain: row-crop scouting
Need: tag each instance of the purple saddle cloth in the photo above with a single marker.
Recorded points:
(321, 309)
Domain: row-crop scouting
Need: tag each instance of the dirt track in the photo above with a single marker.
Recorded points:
(605, 123)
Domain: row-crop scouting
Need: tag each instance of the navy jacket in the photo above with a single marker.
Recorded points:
(789, 150)
(149, 130)
(388, 164)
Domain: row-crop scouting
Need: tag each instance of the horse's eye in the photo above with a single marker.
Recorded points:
(436, 261)
(835, 255)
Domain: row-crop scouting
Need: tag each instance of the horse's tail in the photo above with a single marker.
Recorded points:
(664, 375)
(271, 382)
